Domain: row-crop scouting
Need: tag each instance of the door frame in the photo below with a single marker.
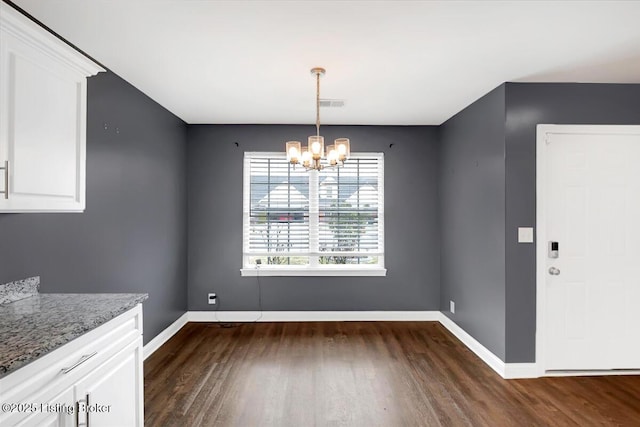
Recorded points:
(542, 133)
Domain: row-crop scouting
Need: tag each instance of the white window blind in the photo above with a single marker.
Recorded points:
(301, 222)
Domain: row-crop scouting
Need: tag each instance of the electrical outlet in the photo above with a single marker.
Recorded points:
(452, 306)
(212, 298)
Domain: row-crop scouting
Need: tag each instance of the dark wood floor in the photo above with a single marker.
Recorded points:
(360, 374)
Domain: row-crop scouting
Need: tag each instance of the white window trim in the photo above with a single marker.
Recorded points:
(298, 271)
(313, 269)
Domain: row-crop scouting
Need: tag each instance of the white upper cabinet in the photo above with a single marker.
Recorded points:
(43, 110)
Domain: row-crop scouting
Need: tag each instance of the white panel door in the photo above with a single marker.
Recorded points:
(592, 294)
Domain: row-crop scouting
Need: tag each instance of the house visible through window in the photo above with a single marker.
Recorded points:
(313, 223)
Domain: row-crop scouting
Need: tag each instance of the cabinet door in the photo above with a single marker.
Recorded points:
(57, 412)
(111, 395)
(43, 133)
(42, 118)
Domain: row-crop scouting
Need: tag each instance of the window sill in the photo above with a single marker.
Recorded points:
(306, 271)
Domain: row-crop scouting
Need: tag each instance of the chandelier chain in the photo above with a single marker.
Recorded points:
(311, 156)
(317, 104)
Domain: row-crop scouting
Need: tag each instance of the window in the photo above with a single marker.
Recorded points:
(299, 223)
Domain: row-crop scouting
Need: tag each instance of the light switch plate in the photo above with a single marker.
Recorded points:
(525, 234)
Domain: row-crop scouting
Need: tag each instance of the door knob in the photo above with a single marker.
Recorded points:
(554, 271)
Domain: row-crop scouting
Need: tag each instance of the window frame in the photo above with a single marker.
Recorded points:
(313, 268)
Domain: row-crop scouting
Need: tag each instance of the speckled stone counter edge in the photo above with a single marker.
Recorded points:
(32, 344)
(14, 291)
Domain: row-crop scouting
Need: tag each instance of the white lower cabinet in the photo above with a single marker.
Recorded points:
(108, 396)
(57, 412)
(95, 380)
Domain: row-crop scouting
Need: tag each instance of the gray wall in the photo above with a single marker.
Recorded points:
(529, 104)
(488, 190)
(132, 236)
(472, 202)
(411, 222)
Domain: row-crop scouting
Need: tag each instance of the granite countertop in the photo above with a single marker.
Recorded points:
(36, 325)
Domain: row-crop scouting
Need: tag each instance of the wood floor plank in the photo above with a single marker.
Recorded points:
(360, 374)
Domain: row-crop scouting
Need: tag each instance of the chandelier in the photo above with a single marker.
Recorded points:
(313, 156)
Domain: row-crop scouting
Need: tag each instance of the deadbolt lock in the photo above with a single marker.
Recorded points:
(554, 271)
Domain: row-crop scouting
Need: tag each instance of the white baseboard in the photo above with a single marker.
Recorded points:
(514, 371)
(164, 336)
(505, 370)
(312, 316)
(591, 373)
(474, 345)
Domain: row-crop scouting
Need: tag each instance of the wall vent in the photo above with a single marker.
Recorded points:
(332, 103)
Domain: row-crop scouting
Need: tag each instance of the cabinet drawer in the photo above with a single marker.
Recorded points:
(42, 380)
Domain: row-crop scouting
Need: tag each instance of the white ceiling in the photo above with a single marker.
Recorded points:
(401, 63)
